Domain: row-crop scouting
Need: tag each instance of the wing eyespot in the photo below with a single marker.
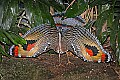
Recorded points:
(91, 50)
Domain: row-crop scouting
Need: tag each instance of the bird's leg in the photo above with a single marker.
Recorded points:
(59, 48)
(60, 64)
(59, 60)
(68, 53)
(68, 58)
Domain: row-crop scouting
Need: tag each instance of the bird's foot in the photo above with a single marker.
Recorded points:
(61, 65)
(69, 63)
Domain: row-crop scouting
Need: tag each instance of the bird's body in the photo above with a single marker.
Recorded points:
(68, 35)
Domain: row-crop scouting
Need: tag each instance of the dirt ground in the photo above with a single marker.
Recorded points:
(47, 67)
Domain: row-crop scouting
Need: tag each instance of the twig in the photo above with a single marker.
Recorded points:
(70, 5)
(96, 12)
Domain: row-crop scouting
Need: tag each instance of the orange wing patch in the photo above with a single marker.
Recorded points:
(89, 51)
(103, 57)
(30, 46)
(16, 51)
(95, 53)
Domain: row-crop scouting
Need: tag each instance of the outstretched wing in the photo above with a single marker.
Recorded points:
(85, 45)
(39, 40)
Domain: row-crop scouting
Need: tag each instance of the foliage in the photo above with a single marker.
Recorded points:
(38, 12)
(108, 12)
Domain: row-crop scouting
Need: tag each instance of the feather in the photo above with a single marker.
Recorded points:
(68, 35)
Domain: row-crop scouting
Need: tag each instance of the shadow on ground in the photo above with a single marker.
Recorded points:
(46, 67)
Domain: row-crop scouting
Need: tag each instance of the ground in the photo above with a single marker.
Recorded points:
(46, 67)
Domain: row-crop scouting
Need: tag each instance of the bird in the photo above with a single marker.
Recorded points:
(67, 36)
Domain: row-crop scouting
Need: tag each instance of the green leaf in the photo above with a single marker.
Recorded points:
(33, 11)
(9, 37)
(118, 55)
(8, 11)
(116, 26)
(37, 11)
(118, 49)
(113, 39)
(40, 12)
(119, 39)
(111, 14)
(0, 57)
(57, 6)
(18, 39)
(104, 36)
(100, 22)
(2, 52)
(45, 12)
(89, 24)
(98, 2)
(113, 33)
(77, 8)
(3, 38)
